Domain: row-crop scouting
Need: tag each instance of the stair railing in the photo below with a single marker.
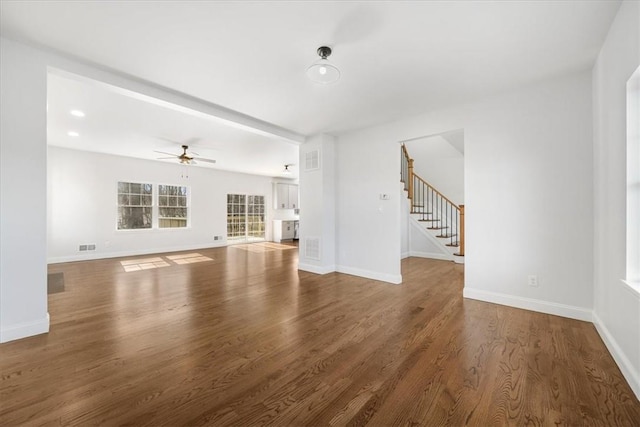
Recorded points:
(433, 207)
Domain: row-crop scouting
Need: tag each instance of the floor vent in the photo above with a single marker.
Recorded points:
(312, 248)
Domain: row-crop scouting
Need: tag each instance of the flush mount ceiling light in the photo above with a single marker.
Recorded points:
(77, 113)
(322, 71)
(73, 133)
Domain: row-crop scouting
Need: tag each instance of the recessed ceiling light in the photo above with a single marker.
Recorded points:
(77, 113)
(72, 133)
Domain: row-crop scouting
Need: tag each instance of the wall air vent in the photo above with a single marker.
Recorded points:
(312, 160)
(312, 248)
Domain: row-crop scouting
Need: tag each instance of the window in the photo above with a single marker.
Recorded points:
(236, 216)
(135, 202)
(633, 181)
(172, 206)
(255, 216)
(245, 217)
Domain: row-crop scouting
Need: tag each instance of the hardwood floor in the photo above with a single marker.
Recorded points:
(247, 339)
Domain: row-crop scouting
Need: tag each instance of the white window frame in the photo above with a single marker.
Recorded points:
(230, 210)
(632, 276)
(187, 206)
(118, 205)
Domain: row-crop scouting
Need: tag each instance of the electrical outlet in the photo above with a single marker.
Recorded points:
(533, 280)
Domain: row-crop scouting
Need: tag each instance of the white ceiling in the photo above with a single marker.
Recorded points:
(396, 58)
(116, 123)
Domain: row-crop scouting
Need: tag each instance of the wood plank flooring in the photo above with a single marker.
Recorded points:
(247, 339)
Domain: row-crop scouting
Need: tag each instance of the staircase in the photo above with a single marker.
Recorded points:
(438, 218)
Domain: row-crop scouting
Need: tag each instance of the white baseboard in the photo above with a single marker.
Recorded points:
(24, 330)
(563, 310)
(431, 255)
(316, 268)
(105, 255)
(389, 278)
(404, 255)
(626, 367)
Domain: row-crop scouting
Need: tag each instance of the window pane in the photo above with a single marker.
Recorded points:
(130, 213)
(173, 206)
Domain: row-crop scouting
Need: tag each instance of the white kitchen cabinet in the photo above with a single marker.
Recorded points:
(286, 196)
(284, 230)
(293, 197)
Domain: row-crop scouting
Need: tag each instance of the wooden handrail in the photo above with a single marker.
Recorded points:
(461, 240)
(404, 150)
(436, 191)
(411, 175)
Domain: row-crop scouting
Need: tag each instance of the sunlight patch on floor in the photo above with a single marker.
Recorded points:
(139, 264)
(143, 264)
(264, 247)
(188, 258)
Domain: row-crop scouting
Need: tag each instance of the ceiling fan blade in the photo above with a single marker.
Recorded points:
(166, 158)
(168, 140)
(192, 162)
(164, 152)
(201, 159)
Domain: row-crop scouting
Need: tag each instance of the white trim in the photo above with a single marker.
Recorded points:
(317, 269)
(432, 255)
(24, 330)
(383, 277)
(633, 287)
(557, 309)
(626, 367)
(100, 255)
(404, 255)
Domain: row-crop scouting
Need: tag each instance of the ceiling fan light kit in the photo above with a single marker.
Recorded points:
(323, 71)
(184, 158)
(286, 170)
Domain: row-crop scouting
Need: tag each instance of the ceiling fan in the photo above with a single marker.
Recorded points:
(184, 158)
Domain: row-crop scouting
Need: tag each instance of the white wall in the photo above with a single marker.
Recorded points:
(318, 205)
(616, 306)
(369, 229)
(82, 200)
(528, 195)
(23, 169)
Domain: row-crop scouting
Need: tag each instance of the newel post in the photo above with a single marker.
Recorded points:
(461, 252)
(410, 178)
